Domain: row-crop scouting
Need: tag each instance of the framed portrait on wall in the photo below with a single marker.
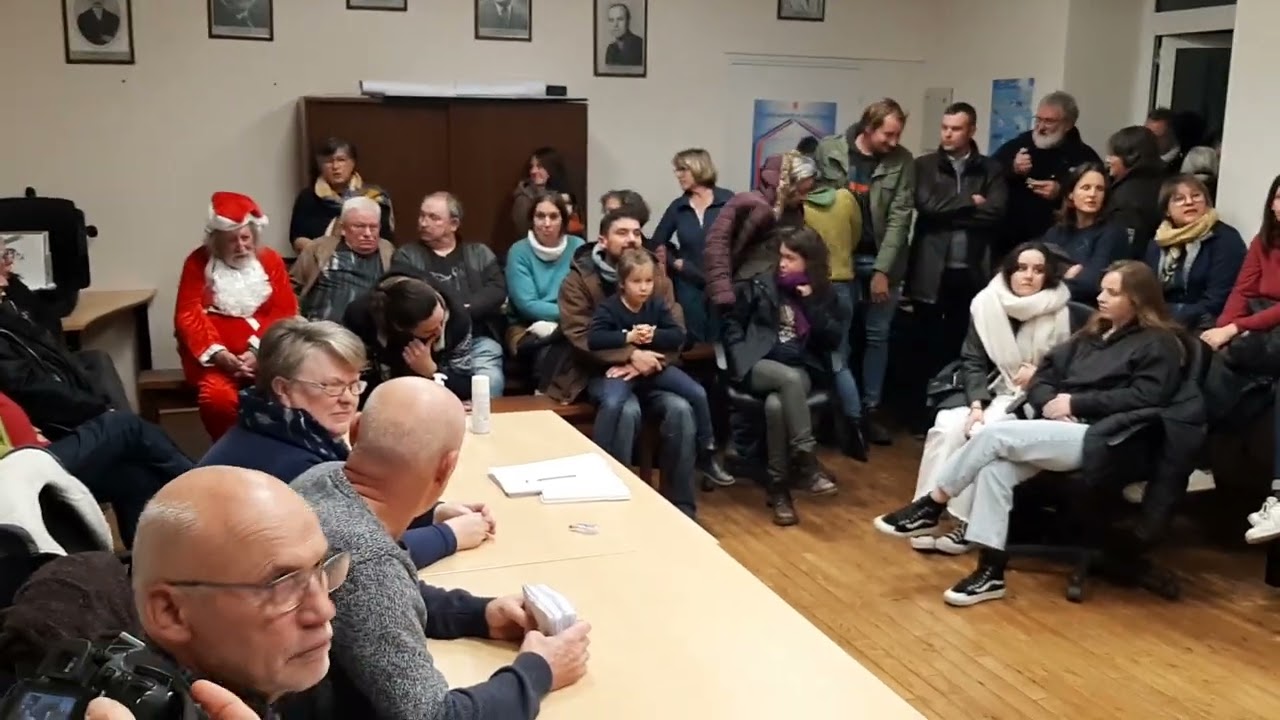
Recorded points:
(98, 31)
(504, 20)
(400, 5)
(242, 19)
(811, 10)
(621, 41)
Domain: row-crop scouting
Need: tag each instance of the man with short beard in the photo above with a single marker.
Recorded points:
(1036, 162)
(231, 291)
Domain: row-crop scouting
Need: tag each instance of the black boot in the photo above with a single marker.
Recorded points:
(784, 510)
(873, 427)
(984, 583)
(852, 442)
(709, 465)
(809, 475)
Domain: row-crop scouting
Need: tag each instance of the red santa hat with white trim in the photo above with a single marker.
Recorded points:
(232, 211)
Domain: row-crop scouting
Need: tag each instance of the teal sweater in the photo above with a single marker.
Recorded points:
(533, 284)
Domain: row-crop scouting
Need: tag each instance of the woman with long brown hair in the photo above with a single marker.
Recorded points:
(1125, 361)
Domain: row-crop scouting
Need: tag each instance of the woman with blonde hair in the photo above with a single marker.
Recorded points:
(683, 232)
(1124, 367)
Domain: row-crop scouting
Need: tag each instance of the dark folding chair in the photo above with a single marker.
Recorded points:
(1069, 517)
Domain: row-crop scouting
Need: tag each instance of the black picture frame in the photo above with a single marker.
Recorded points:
(481, 12)
(603, 42)
(786, 13)
(85, 48)
(379, 5)
(253, 17)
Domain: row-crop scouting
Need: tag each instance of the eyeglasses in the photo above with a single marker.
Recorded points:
(286, 593)
(334, 390)
(1047, 121)
(1192, 199)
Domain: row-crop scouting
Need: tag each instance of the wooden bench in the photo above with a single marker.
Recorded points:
(578, 413)
(163, 389)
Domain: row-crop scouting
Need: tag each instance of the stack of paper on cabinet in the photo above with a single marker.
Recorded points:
(573, 479)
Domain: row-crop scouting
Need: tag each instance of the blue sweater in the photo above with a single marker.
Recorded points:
(1094, 248)
(533, 284)
(612, 320)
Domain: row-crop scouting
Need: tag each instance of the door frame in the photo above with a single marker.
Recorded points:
(1165, 60)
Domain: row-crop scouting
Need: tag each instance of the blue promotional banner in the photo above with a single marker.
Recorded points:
(1011, 110)
(779, 125)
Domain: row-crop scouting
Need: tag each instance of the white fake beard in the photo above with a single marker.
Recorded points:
(238, 291)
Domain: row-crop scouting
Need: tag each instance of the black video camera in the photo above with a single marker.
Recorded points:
(124, 669)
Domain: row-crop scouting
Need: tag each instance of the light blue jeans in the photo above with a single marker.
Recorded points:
(1000, 457)
(486, 359)
(878, 321)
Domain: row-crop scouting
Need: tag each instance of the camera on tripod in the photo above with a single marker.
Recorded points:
(123, 669)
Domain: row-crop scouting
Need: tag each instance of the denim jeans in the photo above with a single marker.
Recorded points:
(617, 422)
(614, 391)
(486, 359)
(123, 460)
(1001, 456)
(878, 320)
(846, 386)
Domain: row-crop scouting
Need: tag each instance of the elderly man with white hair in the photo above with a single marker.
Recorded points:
(231, 290)
(335, 270)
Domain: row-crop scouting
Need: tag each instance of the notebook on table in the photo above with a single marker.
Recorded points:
(576, 478)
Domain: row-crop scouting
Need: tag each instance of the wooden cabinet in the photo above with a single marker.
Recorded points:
(478, 149)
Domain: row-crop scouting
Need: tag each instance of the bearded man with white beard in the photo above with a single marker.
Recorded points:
(1036, 162)
(231, 291)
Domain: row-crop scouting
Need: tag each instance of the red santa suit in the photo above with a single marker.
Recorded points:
(227, 306)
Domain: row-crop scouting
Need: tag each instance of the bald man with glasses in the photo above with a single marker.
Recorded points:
(231, 579)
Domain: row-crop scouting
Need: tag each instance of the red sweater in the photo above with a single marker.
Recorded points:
(15, 426)
(1259, 278)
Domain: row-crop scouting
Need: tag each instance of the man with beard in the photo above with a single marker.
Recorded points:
(230, 292)
(1036, 162)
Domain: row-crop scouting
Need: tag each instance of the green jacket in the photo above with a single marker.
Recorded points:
(893, 191)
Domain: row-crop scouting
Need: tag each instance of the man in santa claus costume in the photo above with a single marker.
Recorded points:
(231, 291)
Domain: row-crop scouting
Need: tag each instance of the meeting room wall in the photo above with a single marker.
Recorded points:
(140, 147)
(1250, 156)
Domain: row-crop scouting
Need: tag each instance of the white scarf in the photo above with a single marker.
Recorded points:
(548, 254)
(1045, 323)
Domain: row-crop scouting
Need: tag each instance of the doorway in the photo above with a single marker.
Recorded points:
(1191, 76)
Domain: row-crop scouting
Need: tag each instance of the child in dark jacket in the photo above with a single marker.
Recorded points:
(635, 316)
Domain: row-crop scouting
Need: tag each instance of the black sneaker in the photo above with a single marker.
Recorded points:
(985, 583)
(953, 543)
(710, 466)
(918, 518)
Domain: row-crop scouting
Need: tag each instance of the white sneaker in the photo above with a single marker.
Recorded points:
(1267, 527)
(1200, 481)
(1133, 492)
(1257, 516)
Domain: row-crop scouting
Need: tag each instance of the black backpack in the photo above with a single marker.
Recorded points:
(68, 242)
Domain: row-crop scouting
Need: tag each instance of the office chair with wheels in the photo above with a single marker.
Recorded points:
(1069, 516)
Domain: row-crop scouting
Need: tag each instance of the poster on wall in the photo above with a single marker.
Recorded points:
(780, 125)
(1011, 110)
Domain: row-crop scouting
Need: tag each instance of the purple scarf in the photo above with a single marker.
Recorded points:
(787, 283)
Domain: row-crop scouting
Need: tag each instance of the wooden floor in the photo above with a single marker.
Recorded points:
(1121, 654)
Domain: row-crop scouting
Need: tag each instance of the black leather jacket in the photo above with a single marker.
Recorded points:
(944, 204)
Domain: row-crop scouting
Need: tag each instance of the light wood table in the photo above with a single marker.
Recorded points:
(94, 306)
(689, 635)
(532, 532)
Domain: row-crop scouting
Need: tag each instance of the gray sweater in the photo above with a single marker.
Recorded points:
(381, 666)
